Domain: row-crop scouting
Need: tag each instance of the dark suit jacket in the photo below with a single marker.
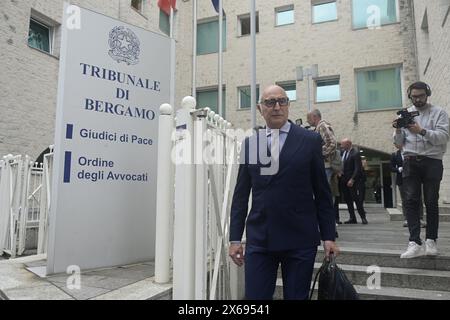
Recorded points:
(352, 166)
(290, 207)
(397, 162)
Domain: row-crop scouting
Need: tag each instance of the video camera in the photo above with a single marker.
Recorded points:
(406, 118)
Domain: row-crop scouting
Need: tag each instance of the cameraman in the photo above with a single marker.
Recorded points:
(424, 143)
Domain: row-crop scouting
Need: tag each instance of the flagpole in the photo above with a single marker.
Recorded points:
(172, 58)
(220, 73)
(253, 61)
(194, 49)
(171, 22)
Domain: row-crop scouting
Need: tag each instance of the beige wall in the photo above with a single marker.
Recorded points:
(334, 46)
(30, 76)
(434, 49)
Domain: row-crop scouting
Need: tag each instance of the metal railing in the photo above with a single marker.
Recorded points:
(203, 159)
(23, 184)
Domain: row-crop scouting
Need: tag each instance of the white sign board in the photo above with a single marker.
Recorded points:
(113, 78)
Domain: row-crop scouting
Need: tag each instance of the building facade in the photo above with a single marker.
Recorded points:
(30, 33)
(366, 53)
(432, 24)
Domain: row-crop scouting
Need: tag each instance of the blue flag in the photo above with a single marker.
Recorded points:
(216, 5)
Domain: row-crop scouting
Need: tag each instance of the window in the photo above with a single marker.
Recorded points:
(208, 37)
(374, 13)
(244, 97)
(324, 12)
(39, 36)
(164, 22)
(209, 98)
(244, 24)
(290, 88)
(284, 15)
(379, 89)
(138, 5)
(445, 9)
(328, 90)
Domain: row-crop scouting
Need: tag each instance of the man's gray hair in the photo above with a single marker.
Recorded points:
(316, 113)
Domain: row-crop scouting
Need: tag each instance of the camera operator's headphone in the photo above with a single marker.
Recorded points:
(419, 85)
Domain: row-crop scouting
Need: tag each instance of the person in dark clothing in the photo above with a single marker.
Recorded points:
(291, 210)
(424, 143)
(397, 167)
(351, 181)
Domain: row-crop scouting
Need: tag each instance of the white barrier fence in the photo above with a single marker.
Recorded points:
(203, 162)
(24, 194)
(197, 168)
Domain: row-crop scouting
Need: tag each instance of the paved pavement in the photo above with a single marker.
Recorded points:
(23, 278)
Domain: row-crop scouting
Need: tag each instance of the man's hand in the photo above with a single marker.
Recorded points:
(394, 124)
(330, 247)
(415, 128)
(236, 252)
(350, 183)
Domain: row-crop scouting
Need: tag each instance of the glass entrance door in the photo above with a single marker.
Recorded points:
(374, 188)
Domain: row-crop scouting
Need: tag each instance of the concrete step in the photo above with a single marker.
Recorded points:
(390, 293)
(396, 215)
(398, 277)
(431, 281)
(384, 293)
(387, 258)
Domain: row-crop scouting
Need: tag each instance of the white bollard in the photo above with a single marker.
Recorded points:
(184, 224)
(201, 211)
(164, 198)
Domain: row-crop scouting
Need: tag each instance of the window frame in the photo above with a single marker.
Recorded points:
(51, 34)
(327, 78)
(285, 8)
(379, 68)
(140, 11)
(321, 2)
(288, 83)
(239, 22)
(216, 90)
(225, 29)
(239, 96)
(397, 14)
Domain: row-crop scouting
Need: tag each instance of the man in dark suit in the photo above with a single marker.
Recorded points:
(291, 209)
(352, 178)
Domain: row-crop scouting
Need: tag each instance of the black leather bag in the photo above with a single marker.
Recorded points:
(333, 283)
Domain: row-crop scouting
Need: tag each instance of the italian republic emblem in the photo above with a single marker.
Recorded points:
(124, 45)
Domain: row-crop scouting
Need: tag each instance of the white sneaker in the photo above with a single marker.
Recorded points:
(414, 250)
(431, 247)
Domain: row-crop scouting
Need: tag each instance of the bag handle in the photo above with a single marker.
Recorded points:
(331, 259)
(315, 280)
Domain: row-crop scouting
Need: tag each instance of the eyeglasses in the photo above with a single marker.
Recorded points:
(419, 97)
(270, 103)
